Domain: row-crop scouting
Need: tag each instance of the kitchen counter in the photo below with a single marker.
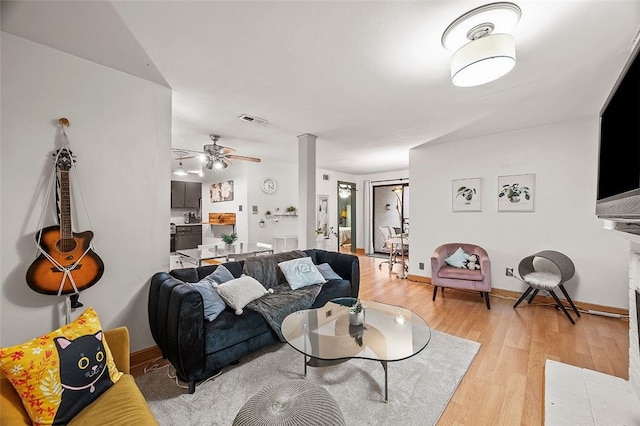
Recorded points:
(190, 224)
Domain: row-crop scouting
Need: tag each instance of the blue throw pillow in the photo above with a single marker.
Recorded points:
(327, 272)
(301, 273)
(458, 259)
(213, 303)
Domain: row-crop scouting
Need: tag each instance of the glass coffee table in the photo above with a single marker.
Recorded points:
(324, 335)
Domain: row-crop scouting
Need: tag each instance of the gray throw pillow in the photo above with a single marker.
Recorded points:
(327, 272)
(213, 303)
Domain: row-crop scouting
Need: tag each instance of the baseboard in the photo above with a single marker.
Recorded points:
(509, 294)
(419, 278)
(582, 306)
(140, 359)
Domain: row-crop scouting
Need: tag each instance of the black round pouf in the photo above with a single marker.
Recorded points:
(290, 403)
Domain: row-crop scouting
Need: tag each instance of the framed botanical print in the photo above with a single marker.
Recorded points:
(516, 193)
(466, 195)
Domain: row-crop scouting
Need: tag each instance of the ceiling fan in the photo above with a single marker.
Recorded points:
(214, 156)
(218, 156)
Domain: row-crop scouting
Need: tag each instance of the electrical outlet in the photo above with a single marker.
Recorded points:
(421, 265)
(509, 272)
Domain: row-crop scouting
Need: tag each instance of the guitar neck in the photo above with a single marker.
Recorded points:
(65, 207)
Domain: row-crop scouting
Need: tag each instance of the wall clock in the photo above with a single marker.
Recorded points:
(269, 185)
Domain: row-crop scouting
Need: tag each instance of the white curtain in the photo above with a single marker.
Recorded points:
(367, 216)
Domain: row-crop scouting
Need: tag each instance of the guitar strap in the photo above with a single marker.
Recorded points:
(66, 271)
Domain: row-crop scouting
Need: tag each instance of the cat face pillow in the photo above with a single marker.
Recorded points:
(60, 373)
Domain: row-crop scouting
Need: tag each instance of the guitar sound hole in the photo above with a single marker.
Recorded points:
(66, 245)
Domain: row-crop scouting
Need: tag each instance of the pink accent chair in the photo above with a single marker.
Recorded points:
(443, 275)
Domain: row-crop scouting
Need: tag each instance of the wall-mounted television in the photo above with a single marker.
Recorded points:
(618, 196)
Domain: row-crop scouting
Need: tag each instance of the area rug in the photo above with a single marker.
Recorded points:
(419, 388)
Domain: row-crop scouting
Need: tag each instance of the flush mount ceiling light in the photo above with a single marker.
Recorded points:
(484, 51)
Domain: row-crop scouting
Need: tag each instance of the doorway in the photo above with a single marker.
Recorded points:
(346, 217)
(390, 213)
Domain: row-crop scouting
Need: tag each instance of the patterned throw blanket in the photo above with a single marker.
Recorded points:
(274, 307)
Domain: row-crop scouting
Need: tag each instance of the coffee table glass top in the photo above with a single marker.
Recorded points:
(389, 333)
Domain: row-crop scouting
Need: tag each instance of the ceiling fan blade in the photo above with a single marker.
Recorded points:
(225, 161)
(183, 154)
(243, 157)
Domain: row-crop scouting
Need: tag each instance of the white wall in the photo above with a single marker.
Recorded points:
(564, 160)
(120, 134)
(247, 177)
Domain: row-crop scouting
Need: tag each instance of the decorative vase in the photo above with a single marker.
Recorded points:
(356, 319)
(227, 246)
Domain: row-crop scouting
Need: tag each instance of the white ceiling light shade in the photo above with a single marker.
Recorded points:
(215, 164)
(180, 171)
(484, 51)
(483, 60)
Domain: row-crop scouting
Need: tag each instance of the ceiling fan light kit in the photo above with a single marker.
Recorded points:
(213, 157)
(483, 49)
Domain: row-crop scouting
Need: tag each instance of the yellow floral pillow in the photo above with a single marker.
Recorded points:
(60, 373)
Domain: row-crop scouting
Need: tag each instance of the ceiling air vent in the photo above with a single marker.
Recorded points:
(325, 177)
(251, 119)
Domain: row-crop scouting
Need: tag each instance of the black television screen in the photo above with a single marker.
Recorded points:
(619, 156)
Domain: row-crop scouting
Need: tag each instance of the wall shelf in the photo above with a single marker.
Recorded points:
(221, 219)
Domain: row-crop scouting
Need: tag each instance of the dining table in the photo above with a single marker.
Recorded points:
(398, 244)
(236, 252)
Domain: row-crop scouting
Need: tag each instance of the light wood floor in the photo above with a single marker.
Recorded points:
(504, 384)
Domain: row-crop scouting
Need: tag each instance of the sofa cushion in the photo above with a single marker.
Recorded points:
(229, 329)
(240, 291)
(301, 273)
(50, 372)
(458, 259)
(123, 404)
(460, 273)
(327, 272)
(211, 300)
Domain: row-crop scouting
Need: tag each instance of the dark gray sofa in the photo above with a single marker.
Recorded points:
(198, 348)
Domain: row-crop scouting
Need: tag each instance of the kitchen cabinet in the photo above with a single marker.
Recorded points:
(185, 194)
(188, 236)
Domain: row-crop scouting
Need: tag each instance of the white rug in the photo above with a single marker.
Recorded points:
(419, 387)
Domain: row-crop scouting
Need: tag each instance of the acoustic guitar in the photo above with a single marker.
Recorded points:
(65, 256)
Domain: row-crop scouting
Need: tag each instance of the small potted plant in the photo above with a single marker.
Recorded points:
(291, 210)
(356, 313)
(229, 239)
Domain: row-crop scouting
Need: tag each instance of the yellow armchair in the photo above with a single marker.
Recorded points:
(122, 404)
